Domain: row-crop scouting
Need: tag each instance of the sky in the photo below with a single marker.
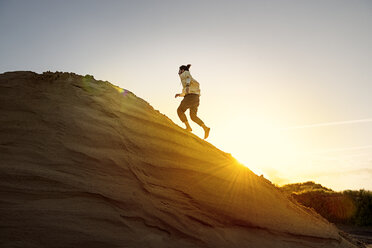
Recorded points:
(285, 84)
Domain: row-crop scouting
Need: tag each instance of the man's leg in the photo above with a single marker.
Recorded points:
(181, 114)
(196, 119)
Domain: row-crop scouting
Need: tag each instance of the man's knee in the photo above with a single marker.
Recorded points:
(180, 110)
(193, 116)
(181, 114)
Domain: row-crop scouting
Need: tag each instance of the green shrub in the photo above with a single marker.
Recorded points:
(347, 207)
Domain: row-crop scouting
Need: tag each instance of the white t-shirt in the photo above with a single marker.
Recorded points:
(188, 80)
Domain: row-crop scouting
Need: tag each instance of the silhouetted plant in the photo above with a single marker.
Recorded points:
(347, 207)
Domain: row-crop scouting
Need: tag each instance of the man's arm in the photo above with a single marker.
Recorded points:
(186, 90)
(182, 94)
(188, 82)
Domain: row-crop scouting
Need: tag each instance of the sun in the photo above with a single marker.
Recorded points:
(262, 144)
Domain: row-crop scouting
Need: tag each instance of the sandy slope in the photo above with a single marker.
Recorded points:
(85, 164)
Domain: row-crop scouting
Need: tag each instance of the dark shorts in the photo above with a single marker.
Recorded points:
(190, 101)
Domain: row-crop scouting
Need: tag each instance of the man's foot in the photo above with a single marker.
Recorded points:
(206, 131)
(188, 128)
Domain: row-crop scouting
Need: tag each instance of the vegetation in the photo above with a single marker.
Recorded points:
(299, 188)
(347, 207)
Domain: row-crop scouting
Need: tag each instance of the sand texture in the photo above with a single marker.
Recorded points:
(84, 163)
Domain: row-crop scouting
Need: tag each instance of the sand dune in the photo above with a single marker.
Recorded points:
(87, 164)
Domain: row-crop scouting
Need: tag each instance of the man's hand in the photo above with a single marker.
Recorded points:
(177, 95)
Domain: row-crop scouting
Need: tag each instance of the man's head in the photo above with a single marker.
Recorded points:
(184, 68)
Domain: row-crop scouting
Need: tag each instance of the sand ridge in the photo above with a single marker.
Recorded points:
(84, 162)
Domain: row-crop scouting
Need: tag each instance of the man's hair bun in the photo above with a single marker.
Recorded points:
(185, 67)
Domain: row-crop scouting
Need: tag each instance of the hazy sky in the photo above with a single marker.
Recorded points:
(286, 85)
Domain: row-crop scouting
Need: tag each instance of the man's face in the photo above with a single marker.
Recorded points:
(180, 71)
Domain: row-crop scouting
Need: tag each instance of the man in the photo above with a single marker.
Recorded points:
(191, 95)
